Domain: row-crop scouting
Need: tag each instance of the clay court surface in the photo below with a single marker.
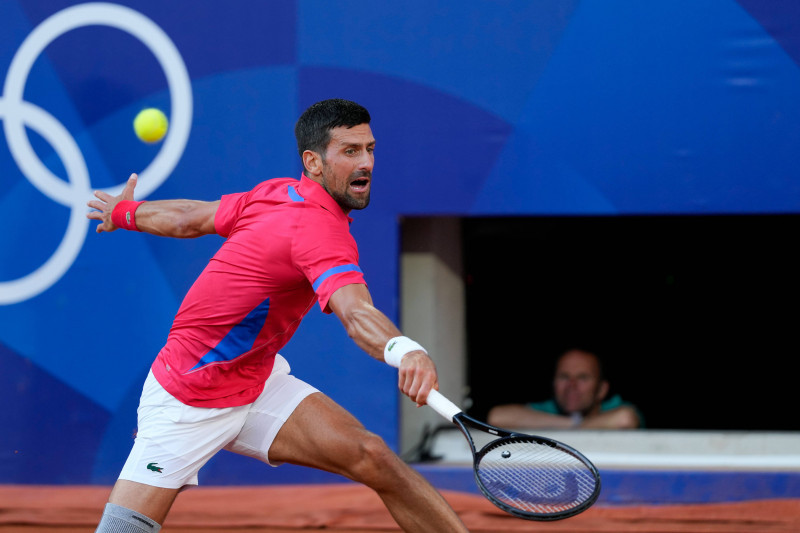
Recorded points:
(349, 508)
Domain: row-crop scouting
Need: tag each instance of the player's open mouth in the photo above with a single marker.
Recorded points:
(360, 184)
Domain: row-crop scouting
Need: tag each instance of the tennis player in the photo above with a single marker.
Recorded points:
(219, 381)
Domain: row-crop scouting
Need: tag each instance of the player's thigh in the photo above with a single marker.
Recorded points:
(321, 434)
(269, 412)
(292, 422)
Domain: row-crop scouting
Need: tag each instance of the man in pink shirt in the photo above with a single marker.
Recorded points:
(219, 381)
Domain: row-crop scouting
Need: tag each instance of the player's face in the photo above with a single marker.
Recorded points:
(347, 166)
(577, 384)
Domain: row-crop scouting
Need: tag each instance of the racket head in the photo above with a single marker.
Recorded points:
(536, 478)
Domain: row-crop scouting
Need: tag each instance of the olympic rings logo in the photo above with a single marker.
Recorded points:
(17, 114)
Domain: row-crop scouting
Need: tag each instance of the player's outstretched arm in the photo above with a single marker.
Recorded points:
(168, 218)
(371, 330)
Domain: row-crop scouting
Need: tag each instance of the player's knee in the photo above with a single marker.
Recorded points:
(118, 519)
(376, 461)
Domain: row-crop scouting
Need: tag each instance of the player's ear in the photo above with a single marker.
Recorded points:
(312, 162)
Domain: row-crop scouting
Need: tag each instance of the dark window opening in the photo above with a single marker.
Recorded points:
(695, 316)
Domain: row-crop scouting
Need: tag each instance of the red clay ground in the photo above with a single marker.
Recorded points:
(350, 508)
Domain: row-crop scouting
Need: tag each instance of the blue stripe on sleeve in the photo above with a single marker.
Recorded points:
(335, 270)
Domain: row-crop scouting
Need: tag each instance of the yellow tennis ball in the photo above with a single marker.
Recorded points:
(150, 125)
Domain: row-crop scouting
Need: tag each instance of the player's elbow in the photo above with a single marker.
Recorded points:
(354, 319)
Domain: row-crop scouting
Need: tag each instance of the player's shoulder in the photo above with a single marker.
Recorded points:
(272, 192)
(303, 204)
(266, 194)
(274, 185)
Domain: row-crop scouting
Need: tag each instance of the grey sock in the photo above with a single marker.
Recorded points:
(118, 519)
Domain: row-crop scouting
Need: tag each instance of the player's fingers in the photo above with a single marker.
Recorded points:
(403, 382)
(420, 387)
(413, 390)
(425, 389)
(103, 196)
(416, 376)
(106, 227)
(127, 192)
(95, 204)
(408, 383)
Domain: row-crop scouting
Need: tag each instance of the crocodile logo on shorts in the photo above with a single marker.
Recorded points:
(155, 468)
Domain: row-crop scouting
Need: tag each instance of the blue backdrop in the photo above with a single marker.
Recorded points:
(479, 108)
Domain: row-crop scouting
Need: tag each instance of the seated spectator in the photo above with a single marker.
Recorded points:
(579, 401)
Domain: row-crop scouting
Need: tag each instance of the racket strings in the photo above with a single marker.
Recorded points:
(535, 478)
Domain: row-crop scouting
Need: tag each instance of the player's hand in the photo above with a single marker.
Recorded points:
(417, 376)
(105, 204)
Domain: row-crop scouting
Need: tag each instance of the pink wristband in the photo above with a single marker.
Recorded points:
(124, 214)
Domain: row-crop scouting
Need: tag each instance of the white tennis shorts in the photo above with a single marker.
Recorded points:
(175, 440)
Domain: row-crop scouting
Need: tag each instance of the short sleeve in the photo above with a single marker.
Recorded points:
(228, 212)
(327, 255)
(333, 281)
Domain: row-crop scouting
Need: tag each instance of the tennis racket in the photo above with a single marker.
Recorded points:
(530, 477)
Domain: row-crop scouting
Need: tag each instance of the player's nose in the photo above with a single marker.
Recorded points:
(367, 161)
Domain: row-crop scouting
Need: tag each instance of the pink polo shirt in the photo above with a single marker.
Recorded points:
(288, 245)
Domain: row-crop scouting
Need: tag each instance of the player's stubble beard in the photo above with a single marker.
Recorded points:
(345, 200)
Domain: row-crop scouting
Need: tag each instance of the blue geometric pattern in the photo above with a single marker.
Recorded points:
(239, 340)
(554, 107)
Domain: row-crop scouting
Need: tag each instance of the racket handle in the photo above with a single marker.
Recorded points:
(442, 405)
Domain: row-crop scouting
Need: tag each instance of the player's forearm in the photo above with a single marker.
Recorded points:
(370, 329)
(176, 218)
(364, 323)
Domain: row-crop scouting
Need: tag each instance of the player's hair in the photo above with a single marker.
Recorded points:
(313, 128)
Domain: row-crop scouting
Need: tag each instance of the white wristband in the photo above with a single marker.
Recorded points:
(397, 347)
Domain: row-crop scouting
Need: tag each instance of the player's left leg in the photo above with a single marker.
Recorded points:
(321, 434)
(292, 422)
(136, 507)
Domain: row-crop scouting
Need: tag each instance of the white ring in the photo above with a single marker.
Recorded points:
(160, 45)
(16, 114)
(67, 149)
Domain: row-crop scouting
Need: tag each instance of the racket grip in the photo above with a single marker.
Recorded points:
(442, 405)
